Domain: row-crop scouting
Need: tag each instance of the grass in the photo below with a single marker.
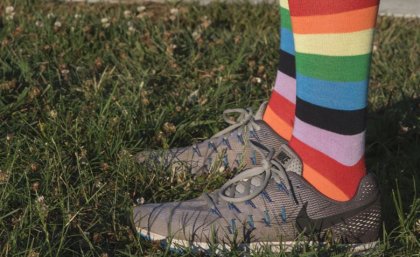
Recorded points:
(84, 87)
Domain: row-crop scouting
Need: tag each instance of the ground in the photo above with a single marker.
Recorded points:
(84, 87)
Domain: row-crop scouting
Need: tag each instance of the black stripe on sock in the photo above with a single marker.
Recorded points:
(337, 121)
(287, 64)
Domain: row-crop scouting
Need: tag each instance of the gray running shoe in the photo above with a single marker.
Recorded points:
(271, 206)
(229, 148)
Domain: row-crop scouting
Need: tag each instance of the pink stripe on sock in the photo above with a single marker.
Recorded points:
(286, 86)
(347, 150)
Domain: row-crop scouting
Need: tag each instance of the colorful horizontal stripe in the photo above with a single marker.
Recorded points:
(342, 122)
(334, 68)
(327, 7)
(285, 19)
(348, 44)
(286, 87)
(287, 43)
(287, 64)
(346, 96)
(283, 107)
(352, 21)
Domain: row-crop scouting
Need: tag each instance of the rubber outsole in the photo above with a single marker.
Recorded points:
(275, 247)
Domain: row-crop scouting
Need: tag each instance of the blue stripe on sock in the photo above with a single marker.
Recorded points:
(347, 96)
(286, 41)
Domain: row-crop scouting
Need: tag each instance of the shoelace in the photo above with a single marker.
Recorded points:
(242, 182)
(246, 118)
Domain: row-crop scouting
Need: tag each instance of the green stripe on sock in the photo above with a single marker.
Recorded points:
(334, 68)
(285, 18)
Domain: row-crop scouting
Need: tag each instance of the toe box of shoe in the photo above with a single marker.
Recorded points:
(191, 220)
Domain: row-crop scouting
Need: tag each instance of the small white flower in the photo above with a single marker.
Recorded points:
(39, 24)
(10, 9)
(65, 71)
(258, 80)
(50, 15)
(196, 34)
(98, 184)
(127, 13)
(53, 114)
(105, 22)
(10, 12)
(174, 11)
(10, 16)
(140, 201)
(141, 8)
(77, 16)
(131, 30)
(40, 199)
(57, 24)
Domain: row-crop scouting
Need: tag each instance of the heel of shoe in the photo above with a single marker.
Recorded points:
(363, 228)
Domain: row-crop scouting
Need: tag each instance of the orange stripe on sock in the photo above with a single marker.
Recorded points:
(277, 124)
(324, 185)
(336, 23)
(323, 168)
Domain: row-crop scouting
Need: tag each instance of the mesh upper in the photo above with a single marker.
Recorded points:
(231, 150)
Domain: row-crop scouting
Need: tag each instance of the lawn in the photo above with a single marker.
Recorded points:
(85, 87)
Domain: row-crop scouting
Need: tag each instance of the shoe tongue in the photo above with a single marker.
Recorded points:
(289, 160)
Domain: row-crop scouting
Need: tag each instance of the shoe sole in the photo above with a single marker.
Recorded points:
(275, 247)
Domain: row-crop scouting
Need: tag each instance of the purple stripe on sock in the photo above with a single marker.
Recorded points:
(345, 149)
(286, 86)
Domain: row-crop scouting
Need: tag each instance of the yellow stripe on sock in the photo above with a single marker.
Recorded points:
(284, 4)
(342, 44)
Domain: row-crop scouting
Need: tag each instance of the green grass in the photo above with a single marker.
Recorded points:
(78, 100)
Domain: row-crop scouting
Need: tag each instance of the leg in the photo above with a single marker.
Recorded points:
(333, 51)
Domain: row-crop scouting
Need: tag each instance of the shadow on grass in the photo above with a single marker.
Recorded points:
(393, 154)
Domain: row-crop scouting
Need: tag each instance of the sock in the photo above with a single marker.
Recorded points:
(280, 111)
(333, 42)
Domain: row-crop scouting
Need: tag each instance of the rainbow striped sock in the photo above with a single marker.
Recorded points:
(333, 41)
(280, 111)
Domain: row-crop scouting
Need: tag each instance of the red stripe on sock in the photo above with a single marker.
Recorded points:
(324, 7)
(282, 107)
(346, 178)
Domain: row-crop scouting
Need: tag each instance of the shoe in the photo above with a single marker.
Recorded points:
(268, 206)
(229, 148)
